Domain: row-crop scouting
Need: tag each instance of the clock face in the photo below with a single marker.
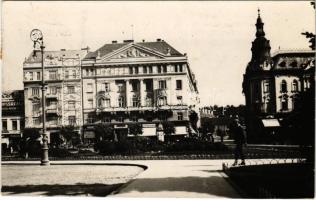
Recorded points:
(36, 35)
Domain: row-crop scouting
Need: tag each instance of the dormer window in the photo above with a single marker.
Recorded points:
(282, 64)
(293, 64)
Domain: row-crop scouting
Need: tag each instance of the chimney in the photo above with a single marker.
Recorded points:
(158, 40)
(128, 41)
(86, 48)
(114, 41)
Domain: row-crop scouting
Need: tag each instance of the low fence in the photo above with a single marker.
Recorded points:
(249, 156)
(261, 191)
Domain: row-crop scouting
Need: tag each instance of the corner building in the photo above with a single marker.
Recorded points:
(272, 84)
(143, 82)
(63, 92)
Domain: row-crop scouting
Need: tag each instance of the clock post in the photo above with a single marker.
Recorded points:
(37, 38)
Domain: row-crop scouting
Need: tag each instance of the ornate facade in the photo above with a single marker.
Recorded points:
(272, 83)
(145, 83)
(12, 117)
(63, 89)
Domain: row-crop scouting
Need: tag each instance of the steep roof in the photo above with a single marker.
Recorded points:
(35, 58)
(160, 46)
(293, 59)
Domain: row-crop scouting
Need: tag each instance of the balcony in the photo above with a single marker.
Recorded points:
(52, 96)
(54, 77)
(51, 110)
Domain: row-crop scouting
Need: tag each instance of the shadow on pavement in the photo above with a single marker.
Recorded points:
(213, 185)
(61, 190)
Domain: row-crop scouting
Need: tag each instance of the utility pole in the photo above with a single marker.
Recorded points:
(37, 37)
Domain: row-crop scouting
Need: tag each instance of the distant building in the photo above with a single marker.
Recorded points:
(272, 83)
(12, 118)
(63, 89)
(137, 82)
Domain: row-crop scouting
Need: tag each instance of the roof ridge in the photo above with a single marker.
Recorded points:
(293, 50)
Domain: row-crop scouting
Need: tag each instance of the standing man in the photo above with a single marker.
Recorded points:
(240, 141)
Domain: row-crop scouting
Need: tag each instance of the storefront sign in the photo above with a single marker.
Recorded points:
(89, 134)
(149, 125)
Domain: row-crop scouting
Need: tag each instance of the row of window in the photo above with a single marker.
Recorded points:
(54, 121)
(106, 102)
(133, 118)
(52, 75)
(14, 125)
(133, 70)
(294, 86)
(162, 84)
(53, 90)
(283, 86)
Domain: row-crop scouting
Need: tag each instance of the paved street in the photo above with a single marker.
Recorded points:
(173, 178)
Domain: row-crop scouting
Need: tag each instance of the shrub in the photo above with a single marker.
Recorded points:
(61, 153)
(135, 129)
(193, 144)
(104, 132)
(168, 127)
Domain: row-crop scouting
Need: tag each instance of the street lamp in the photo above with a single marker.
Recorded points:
(37, 37)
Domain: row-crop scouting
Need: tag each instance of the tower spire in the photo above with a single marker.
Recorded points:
(260, 47)
(259, 25)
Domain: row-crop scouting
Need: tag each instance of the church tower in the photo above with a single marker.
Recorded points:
(258, 82)
(261, 58)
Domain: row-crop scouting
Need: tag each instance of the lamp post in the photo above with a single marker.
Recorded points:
(37, 37)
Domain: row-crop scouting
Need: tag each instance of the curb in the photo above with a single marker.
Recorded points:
(241, 192)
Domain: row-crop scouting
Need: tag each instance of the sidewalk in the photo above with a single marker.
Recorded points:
(172, 178)
(180, 178)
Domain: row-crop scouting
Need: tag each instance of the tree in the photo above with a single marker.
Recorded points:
(168, 127)
(194, 118)
(104, 132)
(220, 133)
(300, 123)
(207, 128)
(31, 133)
(68, 132)
(29, 141)
(55, 139)
(310, 35)
(135, 129)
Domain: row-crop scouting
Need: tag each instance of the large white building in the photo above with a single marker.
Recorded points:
(138, 82)
(118, 84)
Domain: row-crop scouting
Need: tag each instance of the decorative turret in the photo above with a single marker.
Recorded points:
(260, 48)
(259, 25)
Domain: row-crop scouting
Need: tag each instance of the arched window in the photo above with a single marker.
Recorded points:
(283, 86)
(101, 102)
(295, 86)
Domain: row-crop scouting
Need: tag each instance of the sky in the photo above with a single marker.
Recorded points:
(216, 35)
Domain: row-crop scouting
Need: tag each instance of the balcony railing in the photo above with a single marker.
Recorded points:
(141, 108)
(52, 96)
(54, 77)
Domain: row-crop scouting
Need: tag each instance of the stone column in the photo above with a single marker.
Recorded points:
(114, 94)
(142, 92)
(128, 93)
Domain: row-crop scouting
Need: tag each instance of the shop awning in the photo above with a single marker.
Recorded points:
(270, 123)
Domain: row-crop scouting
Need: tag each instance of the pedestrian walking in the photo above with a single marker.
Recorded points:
(240, 141)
